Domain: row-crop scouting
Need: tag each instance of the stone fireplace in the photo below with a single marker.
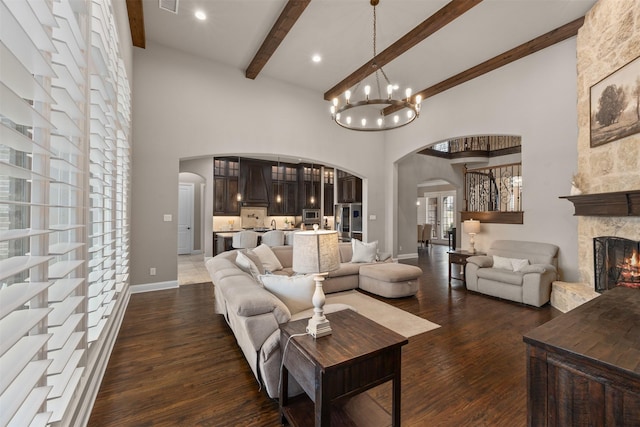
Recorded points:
(609, 39)
(609, 174)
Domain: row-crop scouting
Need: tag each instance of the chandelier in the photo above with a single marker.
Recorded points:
(369, 114)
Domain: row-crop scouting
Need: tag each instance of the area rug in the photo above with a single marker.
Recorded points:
(400, 321)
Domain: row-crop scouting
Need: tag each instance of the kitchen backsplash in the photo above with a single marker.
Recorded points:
(253, 217)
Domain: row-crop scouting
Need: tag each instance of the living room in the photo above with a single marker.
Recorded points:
(180, 115)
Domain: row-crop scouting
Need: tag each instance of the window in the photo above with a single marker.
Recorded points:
(64, 203)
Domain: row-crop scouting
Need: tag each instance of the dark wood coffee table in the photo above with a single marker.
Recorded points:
(360, 354)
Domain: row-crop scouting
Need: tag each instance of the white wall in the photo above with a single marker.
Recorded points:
(535, 98)
(187, 107)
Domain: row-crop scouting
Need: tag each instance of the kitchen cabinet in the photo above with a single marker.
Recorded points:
(253, 176)
(328, 192)
(349, 188)
(310, 187)
(225, 187)
(288, 199)
(284, 183)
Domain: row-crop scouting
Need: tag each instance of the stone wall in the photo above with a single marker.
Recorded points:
(609, 39)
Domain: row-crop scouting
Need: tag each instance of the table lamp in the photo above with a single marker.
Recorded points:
(316, 252)
(471, 227)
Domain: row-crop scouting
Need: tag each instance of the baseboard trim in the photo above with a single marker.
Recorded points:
(407, 256)
(150, 287)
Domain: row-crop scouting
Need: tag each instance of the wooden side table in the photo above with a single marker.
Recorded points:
(460, 258)
(358, 355)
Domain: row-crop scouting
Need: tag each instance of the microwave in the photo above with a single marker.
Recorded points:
(311, 216)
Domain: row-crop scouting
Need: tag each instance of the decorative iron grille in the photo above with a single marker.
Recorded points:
(497, 188)
(478, 143)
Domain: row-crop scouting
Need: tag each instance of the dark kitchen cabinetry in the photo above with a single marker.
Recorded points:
(255, 180)
(225, 191)
(328, 192)
(349, 188)
(283, 199)
(310, 186)
(582, 367)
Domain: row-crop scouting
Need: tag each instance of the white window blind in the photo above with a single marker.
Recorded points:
(64, 191)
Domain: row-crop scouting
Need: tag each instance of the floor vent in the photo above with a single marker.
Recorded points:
(169, 5)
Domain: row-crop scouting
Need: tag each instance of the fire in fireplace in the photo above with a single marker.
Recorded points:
(616, 263)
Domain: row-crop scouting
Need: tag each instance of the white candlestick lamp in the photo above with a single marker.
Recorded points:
(471, 227)
(316, 252)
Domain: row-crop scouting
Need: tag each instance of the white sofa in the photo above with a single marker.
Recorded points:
(514, 270)
(254, 314)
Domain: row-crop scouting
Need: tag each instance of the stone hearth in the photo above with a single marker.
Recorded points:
(566, 296)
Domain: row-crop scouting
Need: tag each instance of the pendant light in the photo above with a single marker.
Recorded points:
(313, 199)
(239, 195)
(279, 184)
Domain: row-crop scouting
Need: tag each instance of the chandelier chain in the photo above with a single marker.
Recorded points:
(375, 53)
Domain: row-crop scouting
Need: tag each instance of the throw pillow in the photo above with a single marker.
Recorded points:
(295, 291)
(502, 263)
(519, 264)
(363, 252)
(269, 260)
(249, 263)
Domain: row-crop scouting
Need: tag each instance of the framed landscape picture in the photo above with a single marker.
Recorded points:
(615, 105)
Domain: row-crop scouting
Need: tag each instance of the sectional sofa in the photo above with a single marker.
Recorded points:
(255, 313)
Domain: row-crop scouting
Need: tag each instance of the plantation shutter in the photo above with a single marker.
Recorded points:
(64, 189)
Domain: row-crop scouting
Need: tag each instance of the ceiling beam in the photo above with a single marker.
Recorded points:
(290, 14)
(442, 17)
(136, 23)
(519, 52)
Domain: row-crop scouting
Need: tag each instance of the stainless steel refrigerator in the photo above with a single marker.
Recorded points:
(348, 221)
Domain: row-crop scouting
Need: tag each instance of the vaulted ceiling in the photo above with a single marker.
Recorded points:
(428, 45)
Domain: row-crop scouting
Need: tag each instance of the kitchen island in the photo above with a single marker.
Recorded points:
(222, 239)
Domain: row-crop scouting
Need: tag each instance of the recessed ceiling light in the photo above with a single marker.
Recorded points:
(201, 15)
(316, 58)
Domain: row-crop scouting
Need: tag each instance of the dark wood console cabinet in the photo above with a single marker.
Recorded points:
(583, 367)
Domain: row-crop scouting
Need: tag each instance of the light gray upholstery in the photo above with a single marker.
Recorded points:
(390, 280)
(245, 239)
(254, 314)
(273, 238)
(530, 285)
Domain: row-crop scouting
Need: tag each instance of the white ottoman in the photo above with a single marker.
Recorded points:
(390, 279)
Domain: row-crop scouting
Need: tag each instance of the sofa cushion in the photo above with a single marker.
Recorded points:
(284, 255)
(269, 260)
(538, 268)
(346, 269)
(502, 263)
(295, 291)
(500, 275)
(535, 252)
(391, 272)
(511, 264)
(249, 263)
(364, 252)
(519, 264)
(346, 251)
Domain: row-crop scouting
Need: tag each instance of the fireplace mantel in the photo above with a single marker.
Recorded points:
(619, 203)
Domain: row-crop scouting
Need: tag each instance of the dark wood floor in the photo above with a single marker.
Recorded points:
(176, 363)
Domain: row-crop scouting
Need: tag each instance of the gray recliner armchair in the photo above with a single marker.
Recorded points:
(514, 270)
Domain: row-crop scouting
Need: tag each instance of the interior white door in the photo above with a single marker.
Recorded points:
(185, 218)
